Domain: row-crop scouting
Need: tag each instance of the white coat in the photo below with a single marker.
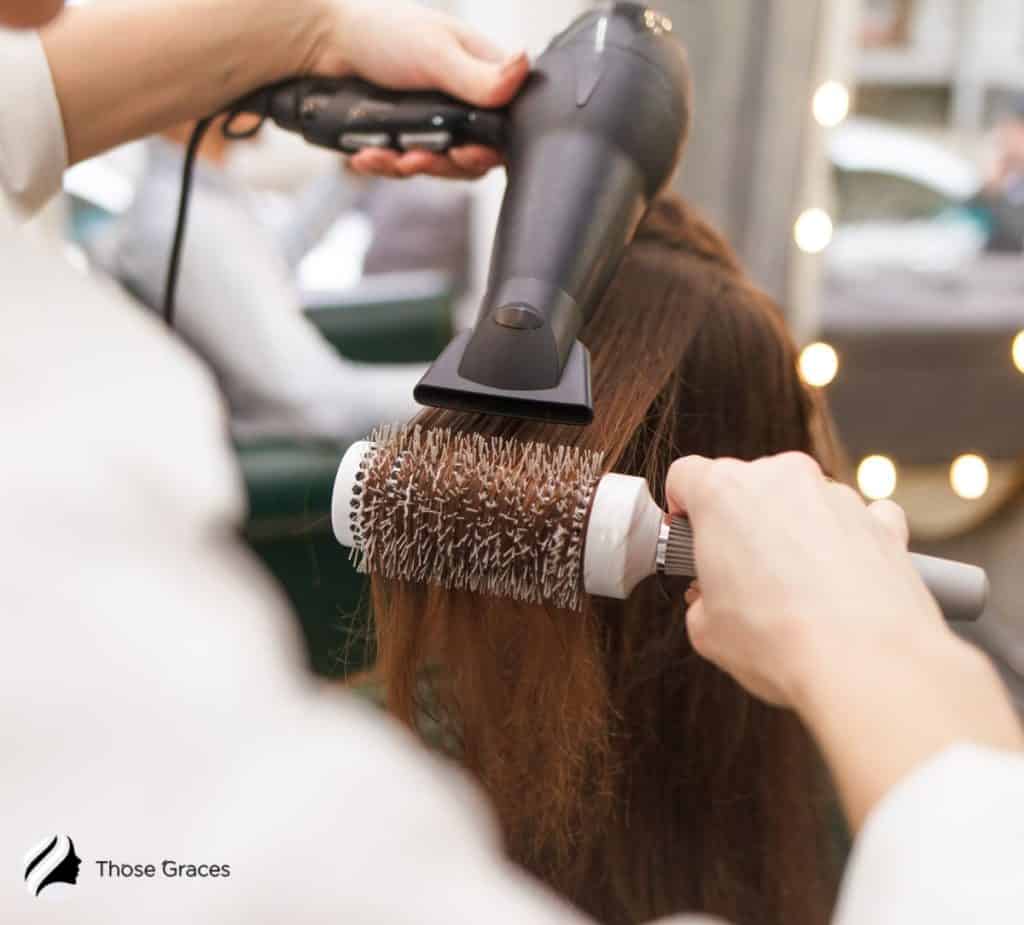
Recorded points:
(153, 705)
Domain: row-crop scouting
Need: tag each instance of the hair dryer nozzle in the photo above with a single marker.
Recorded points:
(569, 402)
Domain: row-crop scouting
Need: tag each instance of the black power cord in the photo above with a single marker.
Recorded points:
(187, 176)
(171, 285)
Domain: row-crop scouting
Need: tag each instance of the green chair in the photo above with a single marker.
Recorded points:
(389, 318)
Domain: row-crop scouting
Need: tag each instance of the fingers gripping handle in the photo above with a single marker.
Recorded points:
(347, 114)
(961, 590)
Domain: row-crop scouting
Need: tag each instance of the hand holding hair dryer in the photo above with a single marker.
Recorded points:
(596, 133)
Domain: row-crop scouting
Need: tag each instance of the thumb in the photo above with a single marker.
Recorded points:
(480, 80)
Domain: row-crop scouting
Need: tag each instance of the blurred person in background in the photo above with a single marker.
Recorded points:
(886, 23)
(239, 304)
(1003, 195)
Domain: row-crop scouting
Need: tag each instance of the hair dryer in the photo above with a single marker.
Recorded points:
(596, 133)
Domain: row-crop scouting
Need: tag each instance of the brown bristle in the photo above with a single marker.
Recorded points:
(477, 513)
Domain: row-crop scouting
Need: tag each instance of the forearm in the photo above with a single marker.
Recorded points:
(124, 69)
(882, 714)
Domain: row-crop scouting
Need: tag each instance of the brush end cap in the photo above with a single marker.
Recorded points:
(622, 537)
(961, 590)
(345, 498)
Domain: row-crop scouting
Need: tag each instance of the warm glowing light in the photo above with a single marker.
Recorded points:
(819, 364)
(813, 231)
(831, 103)
(876, 477)
(1018, 351)
(969, 476)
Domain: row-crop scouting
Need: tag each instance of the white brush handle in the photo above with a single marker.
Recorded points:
(630, 538)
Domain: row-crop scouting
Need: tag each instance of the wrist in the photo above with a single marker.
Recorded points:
(879, 707)
(325, 47)
(292, 39)
(828, 666)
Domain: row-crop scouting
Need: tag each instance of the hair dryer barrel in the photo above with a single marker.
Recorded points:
(595, 135)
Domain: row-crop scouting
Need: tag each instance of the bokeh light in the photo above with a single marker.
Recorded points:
(1018, 351)
(819, 364)
(813, 231)
(969, 476)
(876, 477)
(831, 103)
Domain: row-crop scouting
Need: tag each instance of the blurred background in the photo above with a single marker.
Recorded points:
(866, 157)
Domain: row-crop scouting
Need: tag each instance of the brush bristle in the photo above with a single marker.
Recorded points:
(473, 512)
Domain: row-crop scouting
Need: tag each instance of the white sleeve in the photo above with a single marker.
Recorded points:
(945, 846)
(154, 703)
(33, 152)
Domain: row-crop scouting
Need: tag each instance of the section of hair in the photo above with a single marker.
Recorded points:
(628, 773)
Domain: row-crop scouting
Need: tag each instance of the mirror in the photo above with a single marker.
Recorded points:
(923, 283)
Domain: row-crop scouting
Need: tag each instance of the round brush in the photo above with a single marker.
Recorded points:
(530, 522)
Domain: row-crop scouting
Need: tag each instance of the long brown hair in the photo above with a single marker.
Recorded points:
(632, 776)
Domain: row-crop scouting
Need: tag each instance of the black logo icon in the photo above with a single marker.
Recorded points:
(56, 863)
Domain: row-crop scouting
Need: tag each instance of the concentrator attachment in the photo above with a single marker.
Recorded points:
(531, 522)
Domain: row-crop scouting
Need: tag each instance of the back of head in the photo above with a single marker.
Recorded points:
(628, 773)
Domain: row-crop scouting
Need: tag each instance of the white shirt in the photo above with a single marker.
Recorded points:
(153, 704)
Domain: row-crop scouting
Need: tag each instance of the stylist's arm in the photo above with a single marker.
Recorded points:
(124, 69)
(808, 599)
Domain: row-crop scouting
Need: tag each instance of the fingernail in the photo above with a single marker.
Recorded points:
(513, 63)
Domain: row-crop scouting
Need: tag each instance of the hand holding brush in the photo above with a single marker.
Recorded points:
(816, 606)
(537, 523)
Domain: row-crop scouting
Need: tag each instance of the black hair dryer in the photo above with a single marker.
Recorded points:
(596, 133)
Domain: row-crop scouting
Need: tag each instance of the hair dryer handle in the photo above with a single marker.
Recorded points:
(349, 114)
(961, 590)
